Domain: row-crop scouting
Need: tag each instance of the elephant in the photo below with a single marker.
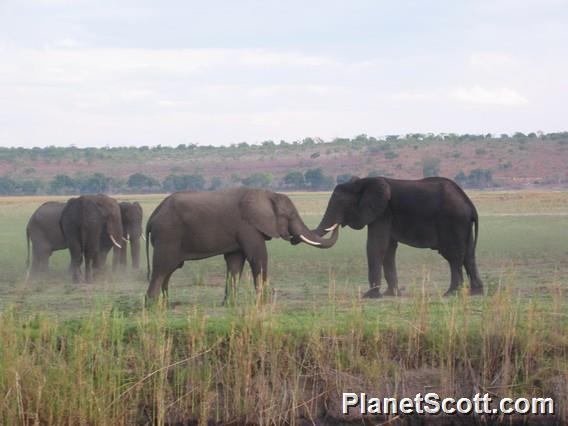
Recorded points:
(234, 222)
(131, 214)
(45, 235)
(91, 225)
(430, 213)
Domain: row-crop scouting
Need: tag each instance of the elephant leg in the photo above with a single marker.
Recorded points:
(456, 264)
(166, 283)
(40, 256)
(452, 246)
(134, 252)
(235, 262)
(91, 262)
(389, 265)
(257, 256)
(121, 255)
(377, 245)
(164, 263)
(76, 260)
(475, 282)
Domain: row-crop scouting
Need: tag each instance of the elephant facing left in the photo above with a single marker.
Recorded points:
(131, 214)
(91, 226)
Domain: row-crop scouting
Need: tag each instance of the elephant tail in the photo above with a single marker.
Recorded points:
(28, 244)
(147, 251)
(476, 228)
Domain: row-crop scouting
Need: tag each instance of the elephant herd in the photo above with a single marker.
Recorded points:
(430, 213)
(89, 226)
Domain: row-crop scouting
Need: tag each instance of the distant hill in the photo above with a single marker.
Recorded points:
(473, 160)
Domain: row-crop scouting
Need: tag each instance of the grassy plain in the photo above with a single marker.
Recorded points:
(91, 354)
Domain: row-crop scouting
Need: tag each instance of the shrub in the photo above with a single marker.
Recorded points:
(343, 178)
(317, 181)
(258, 180)
(293, 180)
(430, 167)
(477, 178)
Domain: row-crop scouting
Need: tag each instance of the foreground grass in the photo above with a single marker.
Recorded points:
(252, 364)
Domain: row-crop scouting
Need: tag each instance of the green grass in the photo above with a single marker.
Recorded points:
(91, 354)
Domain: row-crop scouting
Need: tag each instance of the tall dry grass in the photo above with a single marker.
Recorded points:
(256, 365)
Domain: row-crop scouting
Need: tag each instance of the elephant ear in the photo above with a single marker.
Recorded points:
(374, 199)
(257, 208)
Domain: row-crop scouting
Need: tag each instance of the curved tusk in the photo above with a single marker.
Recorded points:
(114, 242)
(331, 228)
(306, 240)
(125, 239)
(143, 237)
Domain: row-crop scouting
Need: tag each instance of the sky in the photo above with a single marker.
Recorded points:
(116, 73)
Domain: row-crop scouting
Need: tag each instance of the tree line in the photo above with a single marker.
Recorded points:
(140, 183)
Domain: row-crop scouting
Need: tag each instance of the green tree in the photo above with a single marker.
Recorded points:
(141, 182)
(194, 182)
(430, 167)
(343, 178)
(258, 180)
(317, 181)
(94, 184)
(216, 183)
(183, 183)
(7, 186)
(293, 180)
(63, 184)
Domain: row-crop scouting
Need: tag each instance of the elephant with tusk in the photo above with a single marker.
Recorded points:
(91, 226)
(234, 222)
(131, 214)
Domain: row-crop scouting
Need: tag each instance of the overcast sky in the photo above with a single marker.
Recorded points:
(92, 73)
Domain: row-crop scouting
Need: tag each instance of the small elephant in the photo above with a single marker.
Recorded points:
(131, 214)
(91, 225)
(234, 222)
(45, 235)
(430, 213)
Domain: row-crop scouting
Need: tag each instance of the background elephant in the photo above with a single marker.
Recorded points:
(91, 225)
(46, 236)
(131, 214)
(233, 222)
(430, 213)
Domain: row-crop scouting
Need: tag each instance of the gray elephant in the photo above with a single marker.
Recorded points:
(234, 222)
(91, 225)
(430, 213)
(45, 235)
(131, 214)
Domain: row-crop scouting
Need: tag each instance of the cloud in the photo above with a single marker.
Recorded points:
(67, 43)
(417, 97)
(476, 95)
(491, 60)
(497, 96)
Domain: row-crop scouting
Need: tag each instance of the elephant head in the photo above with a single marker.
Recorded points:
(131, 214)
(274, 215)
(110, 211)
(355, 204)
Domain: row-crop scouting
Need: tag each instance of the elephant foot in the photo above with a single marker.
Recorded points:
(451, 292)
(392, 292)
(373, 293)
(476, 291)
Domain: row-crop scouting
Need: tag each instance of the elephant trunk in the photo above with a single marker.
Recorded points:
(301, 232)
(328, 223)
(135, 251)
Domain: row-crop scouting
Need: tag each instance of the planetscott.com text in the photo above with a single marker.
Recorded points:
(432, 403)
